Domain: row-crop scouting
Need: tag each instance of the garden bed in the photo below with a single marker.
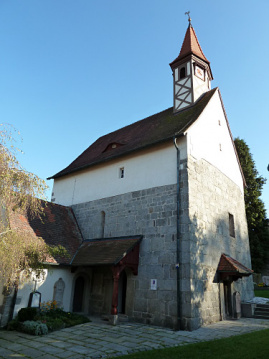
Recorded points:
(47, 319)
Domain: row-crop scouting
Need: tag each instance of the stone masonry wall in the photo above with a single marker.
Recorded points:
(212, 196)
(151, 213)
(207, 197)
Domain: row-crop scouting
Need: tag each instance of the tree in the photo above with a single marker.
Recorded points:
(20, 192)
(255, 210)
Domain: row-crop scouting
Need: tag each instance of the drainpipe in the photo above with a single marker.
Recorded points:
(179, 312)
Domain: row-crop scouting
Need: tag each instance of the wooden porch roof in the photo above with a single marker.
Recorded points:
(105, 251)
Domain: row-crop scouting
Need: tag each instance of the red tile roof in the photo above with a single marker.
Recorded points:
(108, 251)
(152, 130)
(57, 226)
(228, 264)
(190, 46)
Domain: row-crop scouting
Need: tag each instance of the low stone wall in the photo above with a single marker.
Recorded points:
(247, 310)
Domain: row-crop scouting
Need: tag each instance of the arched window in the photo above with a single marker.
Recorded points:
(182, 73)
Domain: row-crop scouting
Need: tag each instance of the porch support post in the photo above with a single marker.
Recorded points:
(116, 275)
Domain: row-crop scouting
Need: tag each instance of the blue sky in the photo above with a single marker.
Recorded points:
(74, 70)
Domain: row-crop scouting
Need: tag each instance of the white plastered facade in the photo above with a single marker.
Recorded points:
(208, 138)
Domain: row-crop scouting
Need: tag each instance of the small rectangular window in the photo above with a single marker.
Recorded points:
(231, 225)
(121, 172)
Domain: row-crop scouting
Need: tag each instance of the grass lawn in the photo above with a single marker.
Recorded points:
(261, 293)
(247, 346)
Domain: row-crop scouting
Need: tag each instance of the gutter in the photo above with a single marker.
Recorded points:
(179, 311)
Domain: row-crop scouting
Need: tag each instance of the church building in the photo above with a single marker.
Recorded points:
(160, 207)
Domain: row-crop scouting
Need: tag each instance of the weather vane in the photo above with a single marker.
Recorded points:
(189, 18)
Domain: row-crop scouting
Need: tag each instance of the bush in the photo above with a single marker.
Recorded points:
(34, 328)
(55, 324)
(55, 313)
(49, 318)
(71, 319)
(13, 324)
(27, 314)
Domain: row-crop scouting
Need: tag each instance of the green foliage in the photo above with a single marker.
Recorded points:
(20, 194)
(53, 323)
(34, 327)
(18, 187)
(13, 324)
(58, 319)
(71, 319)
(48, 319)
(255, 210)
(27, 314)
(262, 293)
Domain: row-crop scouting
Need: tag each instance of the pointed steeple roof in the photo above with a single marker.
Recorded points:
(190, 46)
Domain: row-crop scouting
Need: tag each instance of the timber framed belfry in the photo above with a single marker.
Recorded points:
(191, 72)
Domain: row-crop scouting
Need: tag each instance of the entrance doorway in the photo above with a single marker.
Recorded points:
(122, 292)
(78, 294)
(228, 299)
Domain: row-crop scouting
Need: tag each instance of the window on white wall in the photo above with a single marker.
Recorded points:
(121, 172)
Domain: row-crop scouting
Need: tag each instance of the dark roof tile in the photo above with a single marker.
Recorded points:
(231, 265)
(190, 46)
(56, 226)
(108, 251)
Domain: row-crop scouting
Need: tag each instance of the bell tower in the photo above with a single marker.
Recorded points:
(191, 71)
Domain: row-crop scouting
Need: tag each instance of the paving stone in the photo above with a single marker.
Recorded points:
(4, 353)
(80, 349)
(65, 354)
(103, 340)
(30, 352)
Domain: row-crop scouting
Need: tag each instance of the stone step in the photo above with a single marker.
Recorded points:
(265, 306)
(262, 309)
(121, 317)
(262, 316)
(259, 312)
